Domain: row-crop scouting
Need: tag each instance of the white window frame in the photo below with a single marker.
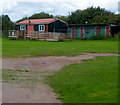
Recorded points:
(41, 28)
(22, 27)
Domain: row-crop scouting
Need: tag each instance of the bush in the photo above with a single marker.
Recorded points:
(117, 36)
(97, 38)
(5, 33)
(104, 38)
(111, 38)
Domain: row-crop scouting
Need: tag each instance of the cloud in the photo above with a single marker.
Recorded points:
(17, 9)
(7, 5)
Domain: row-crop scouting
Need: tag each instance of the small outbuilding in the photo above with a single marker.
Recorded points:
(86, 31)
(42, 25)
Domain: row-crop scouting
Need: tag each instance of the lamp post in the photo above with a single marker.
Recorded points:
(86, 22)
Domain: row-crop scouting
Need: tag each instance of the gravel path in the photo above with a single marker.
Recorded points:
(41, 93)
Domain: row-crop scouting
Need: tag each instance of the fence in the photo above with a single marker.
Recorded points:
(4, 33)
(38, 35)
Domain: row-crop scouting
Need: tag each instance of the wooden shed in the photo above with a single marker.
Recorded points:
(42, 25)
(86, 31)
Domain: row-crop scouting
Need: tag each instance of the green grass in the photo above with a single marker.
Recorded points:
(23, 48)
(94, 81)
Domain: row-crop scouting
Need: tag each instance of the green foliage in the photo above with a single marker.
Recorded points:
(97, 37)
(111, 38)
(7, 24)
(105, 19)
(117, 36)
(90, 15)
(41, 15)
(117, 19)
(64, 18)
(93, 81)
(26, 48)
(24, 18)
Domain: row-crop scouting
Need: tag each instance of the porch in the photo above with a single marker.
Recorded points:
(48, 36)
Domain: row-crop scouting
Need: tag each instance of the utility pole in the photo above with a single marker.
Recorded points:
(54, 24)
(119, 7)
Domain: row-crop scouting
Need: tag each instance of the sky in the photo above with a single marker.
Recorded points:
(17, 9)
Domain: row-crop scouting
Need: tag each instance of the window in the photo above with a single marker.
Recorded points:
(22, 27)
(41, 27)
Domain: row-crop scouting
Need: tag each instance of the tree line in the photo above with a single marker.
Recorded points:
(91, 15)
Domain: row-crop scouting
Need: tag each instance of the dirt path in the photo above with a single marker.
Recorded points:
(40, 93)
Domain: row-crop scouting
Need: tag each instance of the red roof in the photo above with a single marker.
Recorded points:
(34, 21)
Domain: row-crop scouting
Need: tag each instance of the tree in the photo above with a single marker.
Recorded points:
(41, 15)
(117, 19)
(89, 15)
(24, 18)
(7, 24)
(64, 18)
(104, 19)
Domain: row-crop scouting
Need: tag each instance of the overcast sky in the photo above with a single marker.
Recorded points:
(17, 9)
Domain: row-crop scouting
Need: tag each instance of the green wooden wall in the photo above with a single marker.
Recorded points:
(89, 31)
(102, 31)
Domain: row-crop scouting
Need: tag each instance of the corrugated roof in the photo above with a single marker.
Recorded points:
(78, 25)
(34, 21)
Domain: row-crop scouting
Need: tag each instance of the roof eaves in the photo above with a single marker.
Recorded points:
(29, 23)
(63, 21)
(42, 23)
(56, 20)
(77, 25)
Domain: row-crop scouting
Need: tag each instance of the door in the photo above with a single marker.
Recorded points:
(82, 32)
(73, 32)
(46, 27)
(30, 29)
(97, 31)
(107, 31)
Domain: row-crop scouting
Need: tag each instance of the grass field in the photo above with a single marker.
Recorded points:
(22, 48)
(94, 81)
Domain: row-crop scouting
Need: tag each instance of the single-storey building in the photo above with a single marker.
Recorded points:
(88, 30)
(42, 25)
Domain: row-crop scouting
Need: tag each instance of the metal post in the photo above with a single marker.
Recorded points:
(54, 25)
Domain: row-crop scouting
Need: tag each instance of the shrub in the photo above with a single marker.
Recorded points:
(5, 33)
(117, 36)
(111, 38)
(97, 38)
